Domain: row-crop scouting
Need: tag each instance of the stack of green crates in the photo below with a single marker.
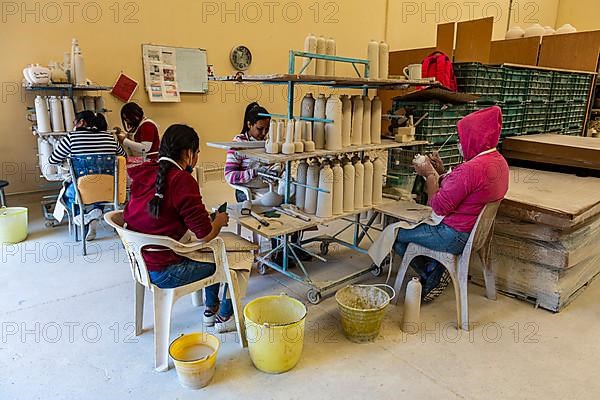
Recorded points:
(486, 81)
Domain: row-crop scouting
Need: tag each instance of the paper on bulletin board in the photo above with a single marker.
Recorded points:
(160, 74)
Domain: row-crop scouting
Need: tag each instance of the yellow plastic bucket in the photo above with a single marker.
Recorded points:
(13, 224)
(195, 358)
(275, 332)
(362, 308)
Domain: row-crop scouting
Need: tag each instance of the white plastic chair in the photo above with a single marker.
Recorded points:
(458, 265)
(164, 299)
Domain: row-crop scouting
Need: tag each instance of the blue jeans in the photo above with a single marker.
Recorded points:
(189, 271)
(438, 238)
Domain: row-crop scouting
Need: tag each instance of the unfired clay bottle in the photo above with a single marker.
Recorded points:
(412, 307)
(378, 171)
(307, 106)
(376, 114)
(312, 179)
(359, 183)
(325, 200)
(368, 182)
(366, 125)
(298, 135)
(280, 133)
(319, 127)
(338, 188)
(357, 120)
(346, 120)
(310, 46)
(288, 147)
(309, 145)
(271, 145)
(330, 50)
(321, 49)
(348, 185)
(384, 60)
(56, 114)
(301, 172)
(373, 57)
(333, 130)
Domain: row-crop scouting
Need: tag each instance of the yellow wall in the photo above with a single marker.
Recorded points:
(412, 24)
(110, 47)
(582, 14)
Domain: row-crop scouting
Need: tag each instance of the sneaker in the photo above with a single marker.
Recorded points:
(210, 315)
(91, 233)
(225, 324)
(435, 284)
(89, 217)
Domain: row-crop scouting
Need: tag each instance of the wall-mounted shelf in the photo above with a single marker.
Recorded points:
(66, 87)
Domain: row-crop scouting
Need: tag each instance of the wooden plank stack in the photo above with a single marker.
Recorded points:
(546, 244)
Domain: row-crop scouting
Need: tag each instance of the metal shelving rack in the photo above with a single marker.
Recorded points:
(66, 89)
(291, 79)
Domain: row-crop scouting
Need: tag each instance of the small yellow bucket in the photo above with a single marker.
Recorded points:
(195, 358)
(275, 332)
(13, 225)
(362, 308)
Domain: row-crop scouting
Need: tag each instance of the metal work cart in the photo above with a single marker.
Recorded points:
(289, 225)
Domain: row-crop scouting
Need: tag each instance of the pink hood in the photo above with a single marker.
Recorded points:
(480, 131)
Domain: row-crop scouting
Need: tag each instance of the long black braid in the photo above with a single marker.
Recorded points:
(177, 139)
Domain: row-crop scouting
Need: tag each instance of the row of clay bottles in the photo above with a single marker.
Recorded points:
(293, 136)
(319, 45)
(378, 55)
(351, 184)
(356, 120)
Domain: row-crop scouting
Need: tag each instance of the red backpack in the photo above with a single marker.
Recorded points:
(437, 65)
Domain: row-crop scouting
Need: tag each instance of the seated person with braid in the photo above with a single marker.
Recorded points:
(165, 200)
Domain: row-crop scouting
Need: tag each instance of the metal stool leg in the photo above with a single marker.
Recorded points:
(2, 198)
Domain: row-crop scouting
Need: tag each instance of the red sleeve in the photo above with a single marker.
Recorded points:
(454, 190)
(147, 132)
(188, 203)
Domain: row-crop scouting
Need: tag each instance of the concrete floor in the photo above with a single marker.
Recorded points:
(67, 333)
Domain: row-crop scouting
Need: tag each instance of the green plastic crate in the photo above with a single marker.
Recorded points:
(516, 84)
(439, 125)
(486, 81)
(556, 120)
(513, 115)
(540, 86)
(534, 120)
(576, 115)
(561, 86)
(581, 86)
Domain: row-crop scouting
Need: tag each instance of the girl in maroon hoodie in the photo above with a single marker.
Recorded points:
(165, 200)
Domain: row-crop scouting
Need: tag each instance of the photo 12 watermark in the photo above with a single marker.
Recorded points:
(270, 12)
(53, 12)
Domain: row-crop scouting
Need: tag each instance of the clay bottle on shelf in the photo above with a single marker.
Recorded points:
(307, 106)
(368, 182)
(68, 113)
(301, 172)
(312, 179)
(338, 188)
(330, 51)
(346, 120)
(373, 57)
(357, 120)
(310, 46)
(319, 127)
(89, 103)
(288, 147)
(359, 183)
(298, 135)
(271, 145)
(378, 171)
(349, 173)
(325, 200)
(79, 104)
(42, 115)
(366, 125)
(309, 145)
(321, 49)
(384, 60)
(333, 130)
(56, 115)
(280, 132)
(376, 115)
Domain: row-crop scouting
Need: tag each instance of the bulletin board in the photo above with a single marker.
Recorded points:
(174, 69)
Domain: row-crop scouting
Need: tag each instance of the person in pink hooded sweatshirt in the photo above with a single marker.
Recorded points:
(458, 196)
